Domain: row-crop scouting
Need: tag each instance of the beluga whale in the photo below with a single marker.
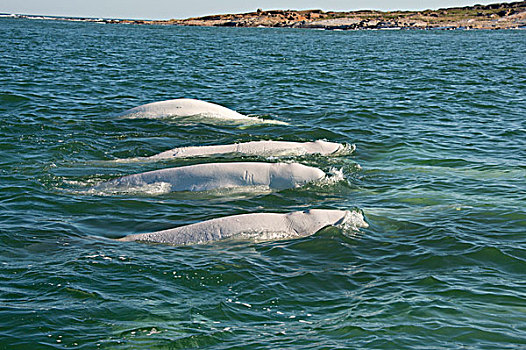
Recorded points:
(214, 176)
(257, 227)
(257, 148)
(190, 108)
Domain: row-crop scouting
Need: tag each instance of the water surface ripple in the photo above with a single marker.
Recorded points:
(439, 172)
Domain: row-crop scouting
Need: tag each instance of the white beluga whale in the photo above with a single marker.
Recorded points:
(214, 176)
(187, 107)
(257, 148)
(257, 227)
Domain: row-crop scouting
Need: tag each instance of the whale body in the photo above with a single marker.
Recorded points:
(257, 148)
(257, 226)
(211, 176)
(187, 107)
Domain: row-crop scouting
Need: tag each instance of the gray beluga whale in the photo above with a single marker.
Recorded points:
(257, 226)
(187, 107)
(213, 176)
(257, 148)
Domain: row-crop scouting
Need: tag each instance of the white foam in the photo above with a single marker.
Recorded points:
(333, 177)
(345, 150)
(154, 189)
(353, 221)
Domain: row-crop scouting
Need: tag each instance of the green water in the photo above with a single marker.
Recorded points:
(438, 119)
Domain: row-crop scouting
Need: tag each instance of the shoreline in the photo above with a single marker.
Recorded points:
(493, 16)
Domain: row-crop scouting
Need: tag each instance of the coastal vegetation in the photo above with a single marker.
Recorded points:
(494, 16)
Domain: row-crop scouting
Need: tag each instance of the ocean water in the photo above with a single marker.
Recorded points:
(439, 172)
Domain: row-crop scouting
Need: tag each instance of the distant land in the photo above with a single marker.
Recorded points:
(494, 16)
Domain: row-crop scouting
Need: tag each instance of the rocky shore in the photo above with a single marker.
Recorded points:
(494, 16)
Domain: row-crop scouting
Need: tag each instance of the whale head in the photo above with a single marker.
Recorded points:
(310, 221)
(284, 175)
(324, 147)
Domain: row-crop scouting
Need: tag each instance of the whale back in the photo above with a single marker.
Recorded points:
(257, 226)
(243, 226)
(183, 107)
(211, 176)
(254, 148)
